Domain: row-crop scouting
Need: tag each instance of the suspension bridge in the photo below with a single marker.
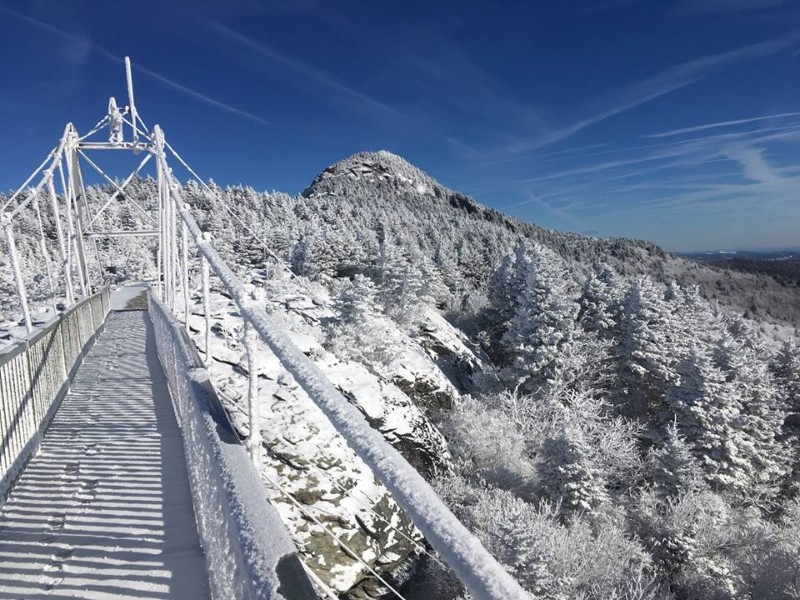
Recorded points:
(120, 473)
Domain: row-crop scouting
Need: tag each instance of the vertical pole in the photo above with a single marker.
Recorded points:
(254, 409)
(86, 219)
(12, 252)
(170, 247)
(60, 235)
(173, 234)
(131, 103)
(159, 258)
(185, 284)
(170, 254)
(76, 250)
(77, 232)
(65, 248)
(207, 307)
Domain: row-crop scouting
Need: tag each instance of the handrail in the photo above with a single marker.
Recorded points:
(249, 553)
(34, 377)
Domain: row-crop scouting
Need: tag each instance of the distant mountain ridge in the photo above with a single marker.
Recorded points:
(392, 182)
(719, 255)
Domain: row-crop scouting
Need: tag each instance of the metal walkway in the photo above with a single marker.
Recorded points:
(104, 509)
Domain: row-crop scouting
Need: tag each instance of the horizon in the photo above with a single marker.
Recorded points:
(653, 126)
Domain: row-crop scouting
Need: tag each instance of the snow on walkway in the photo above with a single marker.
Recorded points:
(104, 509)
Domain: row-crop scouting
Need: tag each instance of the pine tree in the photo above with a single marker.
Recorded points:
(786, 369)
(742, 358)
(646, 351)
(730, 419)
(600, 302)
(707, 413)
(568, 473)
(675, 470)
(542, 336)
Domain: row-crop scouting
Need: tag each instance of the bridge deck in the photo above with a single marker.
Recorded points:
(104, 509)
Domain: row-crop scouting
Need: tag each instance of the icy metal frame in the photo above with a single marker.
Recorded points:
(74, 221)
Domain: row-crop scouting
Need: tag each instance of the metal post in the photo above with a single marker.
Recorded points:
(173, 249)
(60, 235)
(160, 244)
(207, 307)
(169, 258)
(73, 205)
(12, 252)
(83, 220)
(132, 104)
(185, 283)
(254, 409)
(66, 248)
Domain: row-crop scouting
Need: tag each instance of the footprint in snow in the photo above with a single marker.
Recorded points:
(54, 524)
(54, 572)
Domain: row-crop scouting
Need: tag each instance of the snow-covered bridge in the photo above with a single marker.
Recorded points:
(121, 474)
(103, 502)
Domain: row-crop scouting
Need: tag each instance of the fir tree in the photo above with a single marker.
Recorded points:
(675, 470)
(646, 351)
(568, 473)
(541, 337)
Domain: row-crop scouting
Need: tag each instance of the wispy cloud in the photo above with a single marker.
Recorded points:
(201, 97)
(314, 74)
(706, 126)
(80, 47)
(659, 85)
(754, 165)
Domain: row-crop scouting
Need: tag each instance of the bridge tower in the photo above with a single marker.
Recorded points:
(61, 182)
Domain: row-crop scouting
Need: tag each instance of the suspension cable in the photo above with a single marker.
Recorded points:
(364, 504)
(345, 547)
(100, 124)
(29, 179)
(253, 234)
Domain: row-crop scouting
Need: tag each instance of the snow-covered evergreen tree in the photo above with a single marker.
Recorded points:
(568, 472)
(646, 351)
(541, 336)
(674, 469)
(600, 302)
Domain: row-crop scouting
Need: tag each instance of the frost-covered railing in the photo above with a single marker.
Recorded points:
(470, 561)
(249, 553)
(35, 375)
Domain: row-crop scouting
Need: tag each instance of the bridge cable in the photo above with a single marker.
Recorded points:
(8, 202)
(364, 504)
(332, 535)
(45, 254)
(253, 234)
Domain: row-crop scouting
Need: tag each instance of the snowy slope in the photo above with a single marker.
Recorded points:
(307, 458)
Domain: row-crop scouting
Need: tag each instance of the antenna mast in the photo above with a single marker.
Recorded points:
(131, 103)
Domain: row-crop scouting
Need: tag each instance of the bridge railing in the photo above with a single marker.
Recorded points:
(35, 375)
(248, 551)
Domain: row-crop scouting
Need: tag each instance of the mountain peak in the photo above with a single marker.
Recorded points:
(375, 169)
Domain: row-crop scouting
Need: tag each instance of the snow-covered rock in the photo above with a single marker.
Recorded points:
(306, 456)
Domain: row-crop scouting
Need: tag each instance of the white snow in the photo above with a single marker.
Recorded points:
(121, 296)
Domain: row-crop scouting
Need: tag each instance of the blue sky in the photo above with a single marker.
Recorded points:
(673, 121)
